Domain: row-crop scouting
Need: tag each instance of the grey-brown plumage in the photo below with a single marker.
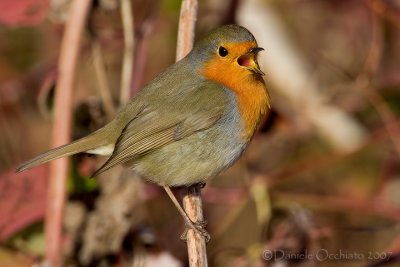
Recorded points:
(180, 129)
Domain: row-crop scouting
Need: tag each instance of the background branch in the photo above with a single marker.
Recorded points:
(141, 46)
(103, 88)
(364, 82)
(187, 22)
(301, 90)
(62, 129)
(127, 61)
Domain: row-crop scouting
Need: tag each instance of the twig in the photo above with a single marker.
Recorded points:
(44, 92)
(301, 91)
(231, 216)
(62, 129)
(196, 244)
(140, 60)
(386, 10)
(363, 82)
(192, 199)
(103, 88)
(317, 162)
(352, 205)
(187, 21)
(383, 110)
(127, 61)
(141, 44)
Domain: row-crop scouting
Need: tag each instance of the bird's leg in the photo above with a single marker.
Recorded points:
(196, 226)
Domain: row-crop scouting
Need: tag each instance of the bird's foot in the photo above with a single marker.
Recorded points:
(198, 227)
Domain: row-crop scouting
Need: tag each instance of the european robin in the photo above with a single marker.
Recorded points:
(191, 122)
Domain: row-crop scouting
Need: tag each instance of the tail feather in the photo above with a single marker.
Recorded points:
(95, 140)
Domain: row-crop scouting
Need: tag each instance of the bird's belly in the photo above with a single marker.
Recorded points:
(195, 158)
(191, 160)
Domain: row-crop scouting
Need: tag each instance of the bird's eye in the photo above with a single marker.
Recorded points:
(222, 51)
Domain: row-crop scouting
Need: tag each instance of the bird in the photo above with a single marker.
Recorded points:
(190, 123)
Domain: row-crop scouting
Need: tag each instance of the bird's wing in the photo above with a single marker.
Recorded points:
(159, 125)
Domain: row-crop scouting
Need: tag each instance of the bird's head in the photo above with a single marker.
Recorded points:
(228, 51)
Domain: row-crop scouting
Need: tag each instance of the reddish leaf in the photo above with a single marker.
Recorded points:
(22, 199)
(23, 12)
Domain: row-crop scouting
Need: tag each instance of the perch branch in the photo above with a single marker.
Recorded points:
(196, 243)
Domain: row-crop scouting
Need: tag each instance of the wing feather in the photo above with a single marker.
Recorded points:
(159, 125)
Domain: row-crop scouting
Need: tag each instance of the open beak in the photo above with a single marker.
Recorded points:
(249, 60)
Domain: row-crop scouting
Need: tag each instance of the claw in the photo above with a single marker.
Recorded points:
(199, 227)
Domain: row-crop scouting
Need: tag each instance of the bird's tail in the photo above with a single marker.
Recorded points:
(95, 140)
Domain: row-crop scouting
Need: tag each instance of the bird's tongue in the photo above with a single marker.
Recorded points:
(246, 61)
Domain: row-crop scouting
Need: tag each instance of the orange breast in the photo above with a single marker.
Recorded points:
(251, 93)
